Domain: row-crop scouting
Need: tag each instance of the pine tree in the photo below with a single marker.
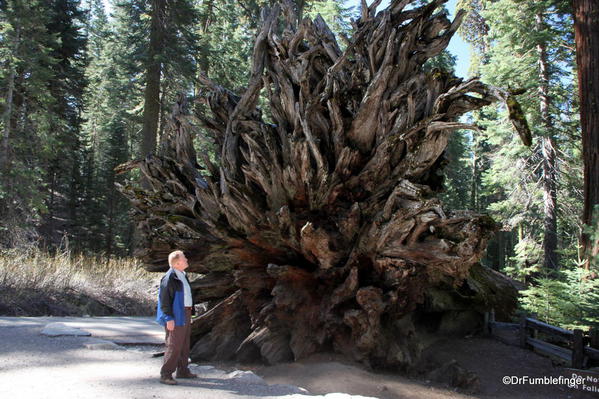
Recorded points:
(27, 64)
(62, 170)
(170, 48)
(112, 118)
(520, 44)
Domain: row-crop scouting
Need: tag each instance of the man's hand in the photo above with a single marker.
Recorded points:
(170, 325)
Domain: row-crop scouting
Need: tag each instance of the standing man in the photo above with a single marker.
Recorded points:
(174, 311)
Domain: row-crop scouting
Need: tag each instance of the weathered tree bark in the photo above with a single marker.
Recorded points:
(586, 28)
(153, 69)
(549, 158)
(318, 228)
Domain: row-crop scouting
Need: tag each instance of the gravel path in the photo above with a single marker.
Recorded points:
(38, 366)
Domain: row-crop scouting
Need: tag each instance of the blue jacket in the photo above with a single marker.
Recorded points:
(171, 300)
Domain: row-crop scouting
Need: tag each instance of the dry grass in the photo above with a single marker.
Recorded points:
(36, 283)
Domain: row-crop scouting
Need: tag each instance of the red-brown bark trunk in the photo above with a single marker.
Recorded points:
(586, 28)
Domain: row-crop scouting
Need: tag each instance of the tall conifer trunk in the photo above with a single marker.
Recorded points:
(586, 27)
(549, 161)
(153, 70)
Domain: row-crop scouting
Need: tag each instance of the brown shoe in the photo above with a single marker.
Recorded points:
(168, 380)
(189, 374)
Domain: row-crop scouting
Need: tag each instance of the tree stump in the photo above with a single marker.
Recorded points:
(317, 226)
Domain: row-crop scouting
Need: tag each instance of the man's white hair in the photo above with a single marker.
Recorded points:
(174, 255)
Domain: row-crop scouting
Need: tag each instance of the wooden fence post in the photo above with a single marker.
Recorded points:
(489, 320)
(522, 332)
(577, 349)
(594, 338)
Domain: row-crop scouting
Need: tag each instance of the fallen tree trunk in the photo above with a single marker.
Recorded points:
(317, 227)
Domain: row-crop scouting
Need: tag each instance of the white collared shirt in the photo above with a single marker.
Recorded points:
(187, 301)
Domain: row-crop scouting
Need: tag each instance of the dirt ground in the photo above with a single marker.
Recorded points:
(490, 359)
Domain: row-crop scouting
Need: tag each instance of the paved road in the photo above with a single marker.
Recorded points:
(33, 365)
(121, 330)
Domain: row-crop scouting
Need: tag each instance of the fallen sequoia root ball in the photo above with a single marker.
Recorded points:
(315, 224)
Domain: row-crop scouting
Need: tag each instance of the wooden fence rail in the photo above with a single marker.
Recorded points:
(581, 348)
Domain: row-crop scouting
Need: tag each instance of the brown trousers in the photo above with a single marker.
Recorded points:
(176, 355)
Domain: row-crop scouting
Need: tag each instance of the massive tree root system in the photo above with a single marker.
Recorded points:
(317, 227)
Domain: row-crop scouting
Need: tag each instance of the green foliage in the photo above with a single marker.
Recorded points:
(226, 38)
(42, 61)
(506, 37)
(507, 177)
(457, 172)
(527, 259)
(474, 28)
(444, 60)
(108, 134)
(334, 13)
(570, 301)
(568, 298)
